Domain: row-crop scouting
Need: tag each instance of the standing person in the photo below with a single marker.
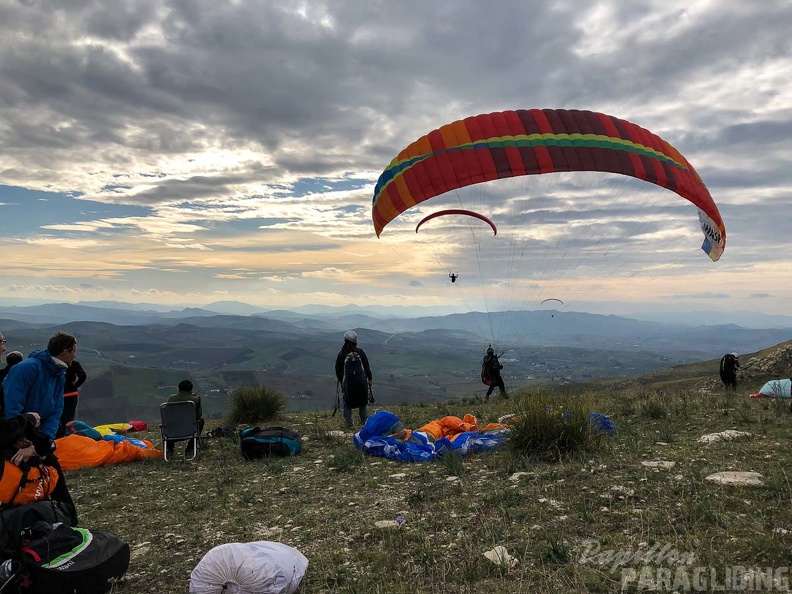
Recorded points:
(491, 373)
(12, 359)
(36, 384)
(354, 374)
(75, 377)
(185, 394)
(729, 364)
(2, 350)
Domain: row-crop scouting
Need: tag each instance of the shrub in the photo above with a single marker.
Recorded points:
(653, 410)
(251, 404)
(552, 429)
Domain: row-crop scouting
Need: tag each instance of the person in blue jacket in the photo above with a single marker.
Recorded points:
(36, 385)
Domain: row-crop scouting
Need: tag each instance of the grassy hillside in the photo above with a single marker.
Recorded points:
(131, 369)
(550, 516)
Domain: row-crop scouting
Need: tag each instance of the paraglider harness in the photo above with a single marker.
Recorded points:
(490, 367)
(338, 397)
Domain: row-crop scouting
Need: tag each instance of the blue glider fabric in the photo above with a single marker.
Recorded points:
(375, 438)
(116, 438)
(779, 388)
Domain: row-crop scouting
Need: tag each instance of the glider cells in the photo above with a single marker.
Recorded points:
(487, 149)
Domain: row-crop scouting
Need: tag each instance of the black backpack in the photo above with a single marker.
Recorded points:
(14, 520)
(59, 559)
(270, 441)
(355, 382)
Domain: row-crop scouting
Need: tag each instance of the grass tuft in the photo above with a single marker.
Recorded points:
(251, 404)
(552, 429)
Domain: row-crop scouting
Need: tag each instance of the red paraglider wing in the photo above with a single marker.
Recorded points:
(536, 141)
(457, 211)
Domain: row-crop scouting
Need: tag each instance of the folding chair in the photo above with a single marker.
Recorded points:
(179, 424)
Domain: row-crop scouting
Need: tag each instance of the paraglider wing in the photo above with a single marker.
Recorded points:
(457, 211)
(551, 299)
(504, 144)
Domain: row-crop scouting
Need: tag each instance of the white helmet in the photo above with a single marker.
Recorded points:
(351, 336)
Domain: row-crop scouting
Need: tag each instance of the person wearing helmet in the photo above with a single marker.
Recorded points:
(354, 377)
(729, 364)
(491, 373)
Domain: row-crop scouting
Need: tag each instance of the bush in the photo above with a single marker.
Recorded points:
(552, 429)
(653, 410)
(251, 404)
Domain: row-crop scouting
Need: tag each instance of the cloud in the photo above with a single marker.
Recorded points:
(241, 140)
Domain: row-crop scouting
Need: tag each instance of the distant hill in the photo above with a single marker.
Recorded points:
(541, 328)
(135, 365)
(756, 368)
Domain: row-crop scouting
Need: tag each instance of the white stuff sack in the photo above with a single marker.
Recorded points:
(249, 568)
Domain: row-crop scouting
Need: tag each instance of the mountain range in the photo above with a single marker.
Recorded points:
(135, 355)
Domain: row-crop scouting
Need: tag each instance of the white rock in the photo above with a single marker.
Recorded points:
(398, 476)
(500, 556)
(664, 464)
(728, 435)
(516, 476)
(736, 478)
(386, 524)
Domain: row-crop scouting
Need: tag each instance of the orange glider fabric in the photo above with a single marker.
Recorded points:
(37, 486)
(76, 451)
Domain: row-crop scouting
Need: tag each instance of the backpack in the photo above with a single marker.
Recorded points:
(270, 441)
(59, 559)
(355, 382)
(14, 520)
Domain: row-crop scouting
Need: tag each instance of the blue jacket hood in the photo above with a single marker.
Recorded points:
(47, 363)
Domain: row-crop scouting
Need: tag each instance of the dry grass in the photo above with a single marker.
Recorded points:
(326, 503)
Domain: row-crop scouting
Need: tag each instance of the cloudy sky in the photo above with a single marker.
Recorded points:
(190, 151)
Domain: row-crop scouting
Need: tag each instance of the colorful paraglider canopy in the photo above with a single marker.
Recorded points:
(505, 144)
(456, 211)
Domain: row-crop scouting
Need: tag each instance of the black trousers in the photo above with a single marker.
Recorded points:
(68, 414)
(497, 382)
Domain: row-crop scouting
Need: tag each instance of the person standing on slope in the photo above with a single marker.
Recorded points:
(729, 364)
(36, 384)
(75, 377)
(354, 375)
(491, 373)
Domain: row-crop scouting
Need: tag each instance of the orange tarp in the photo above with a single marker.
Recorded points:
(76, 451)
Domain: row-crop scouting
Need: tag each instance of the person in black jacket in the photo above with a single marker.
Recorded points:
(75, 377)
(22, 431)
(491, 373)
(729, 364)
(355, 395)
(12, 359)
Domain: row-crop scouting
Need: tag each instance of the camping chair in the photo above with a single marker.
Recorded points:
(179, 424)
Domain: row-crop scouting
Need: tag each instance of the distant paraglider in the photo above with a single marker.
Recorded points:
(453, 277)
(457, 211)
(551, 299)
